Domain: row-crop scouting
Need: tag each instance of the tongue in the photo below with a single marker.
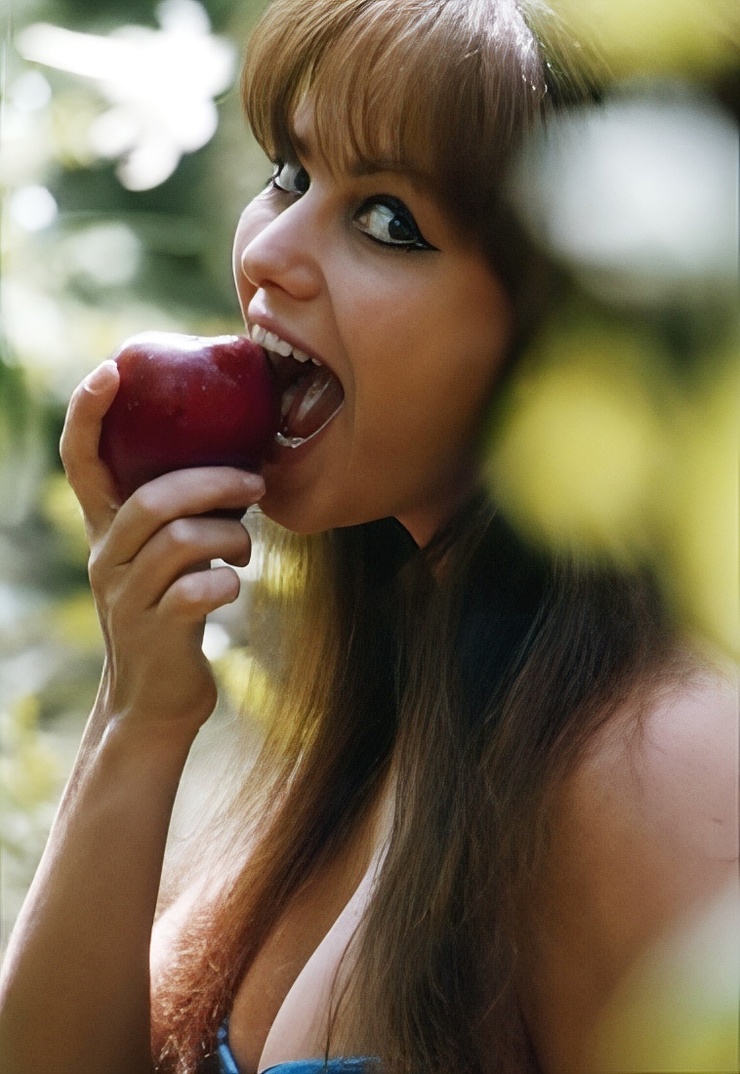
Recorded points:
(309, 404)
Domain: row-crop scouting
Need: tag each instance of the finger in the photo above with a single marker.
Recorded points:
(193, 596)
(87, 474)
(180, 494)
(186, 544)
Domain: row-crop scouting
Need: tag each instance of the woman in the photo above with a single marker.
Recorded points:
(481, 758)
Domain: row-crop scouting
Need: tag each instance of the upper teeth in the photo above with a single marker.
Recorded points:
(271, 342)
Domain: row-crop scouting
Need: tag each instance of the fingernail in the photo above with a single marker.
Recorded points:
(255, 484)
(101, 378)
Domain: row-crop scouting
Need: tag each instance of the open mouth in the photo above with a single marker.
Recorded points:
(311, 395)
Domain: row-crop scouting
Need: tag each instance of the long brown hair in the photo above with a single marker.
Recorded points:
(476, 668)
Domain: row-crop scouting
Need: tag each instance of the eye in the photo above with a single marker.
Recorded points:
(388, 221)
(291, 178)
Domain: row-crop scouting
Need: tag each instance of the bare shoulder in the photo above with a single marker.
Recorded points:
(672, 753)
(686, 763)
(647, 823)
(644, 834)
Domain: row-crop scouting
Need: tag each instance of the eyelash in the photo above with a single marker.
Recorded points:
(385, 201)
(279, 167)
(400, 212)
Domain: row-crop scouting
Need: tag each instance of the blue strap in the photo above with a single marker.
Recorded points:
(224, 1053)
(344, 1065)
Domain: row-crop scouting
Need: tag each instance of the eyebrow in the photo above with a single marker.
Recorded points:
(365, 166)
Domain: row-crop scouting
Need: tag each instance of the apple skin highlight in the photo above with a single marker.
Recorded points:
(187, 401)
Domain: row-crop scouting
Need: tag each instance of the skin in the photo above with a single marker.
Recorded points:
(416, 337)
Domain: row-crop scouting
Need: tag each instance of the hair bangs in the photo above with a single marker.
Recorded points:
(440, 87)
(371, 94)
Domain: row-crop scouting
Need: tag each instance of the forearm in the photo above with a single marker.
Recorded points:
(75, 992)
(75, 986)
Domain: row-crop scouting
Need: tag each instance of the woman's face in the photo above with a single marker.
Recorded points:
(363, 271)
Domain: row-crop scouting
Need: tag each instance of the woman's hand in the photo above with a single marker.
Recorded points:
(150, 568)
(75, 981)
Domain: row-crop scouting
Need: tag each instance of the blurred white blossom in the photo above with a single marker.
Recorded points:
(109, 253)
(32, 207)
(639, 196)
(216, 640)
(30, 92)
(160, 86)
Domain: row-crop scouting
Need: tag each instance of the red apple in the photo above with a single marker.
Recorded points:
(188, 401)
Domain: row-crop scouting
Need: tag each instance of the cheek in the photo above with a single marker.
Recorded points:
(473, 337)
(441, 346)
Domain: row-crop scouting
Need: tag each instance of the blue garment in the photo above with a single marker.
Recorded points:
(350, 1065)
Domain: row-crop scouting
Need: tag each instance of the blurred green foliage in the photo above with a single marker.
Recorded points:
(85, 262)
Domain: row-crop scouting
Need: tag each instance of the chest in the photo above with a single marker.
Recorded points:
(283, 1006)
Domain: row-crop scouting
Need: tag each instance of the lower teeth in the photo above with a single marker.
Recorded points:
(308, 405)
(291, 441)
(295, 441)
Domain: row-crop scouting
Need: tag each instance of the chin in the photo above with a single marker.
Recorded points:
(302, 519)
(306, 517)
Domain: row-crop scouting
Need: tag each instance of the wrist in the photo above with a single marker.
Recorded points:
(170, 707)
(159, 744)
(123, 760)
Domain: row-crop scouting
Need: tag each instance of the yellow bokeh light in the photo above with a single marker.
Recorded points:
(603, 452)
(574, 459)
(678, 1009)
(667, 36)
(29, 767)
(701, 519)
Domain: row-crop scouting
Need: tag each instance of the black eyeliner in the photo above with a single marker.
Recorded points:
(388, 201)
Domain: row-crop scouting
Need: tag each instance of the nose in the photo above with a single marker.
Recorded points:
(278, 249)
